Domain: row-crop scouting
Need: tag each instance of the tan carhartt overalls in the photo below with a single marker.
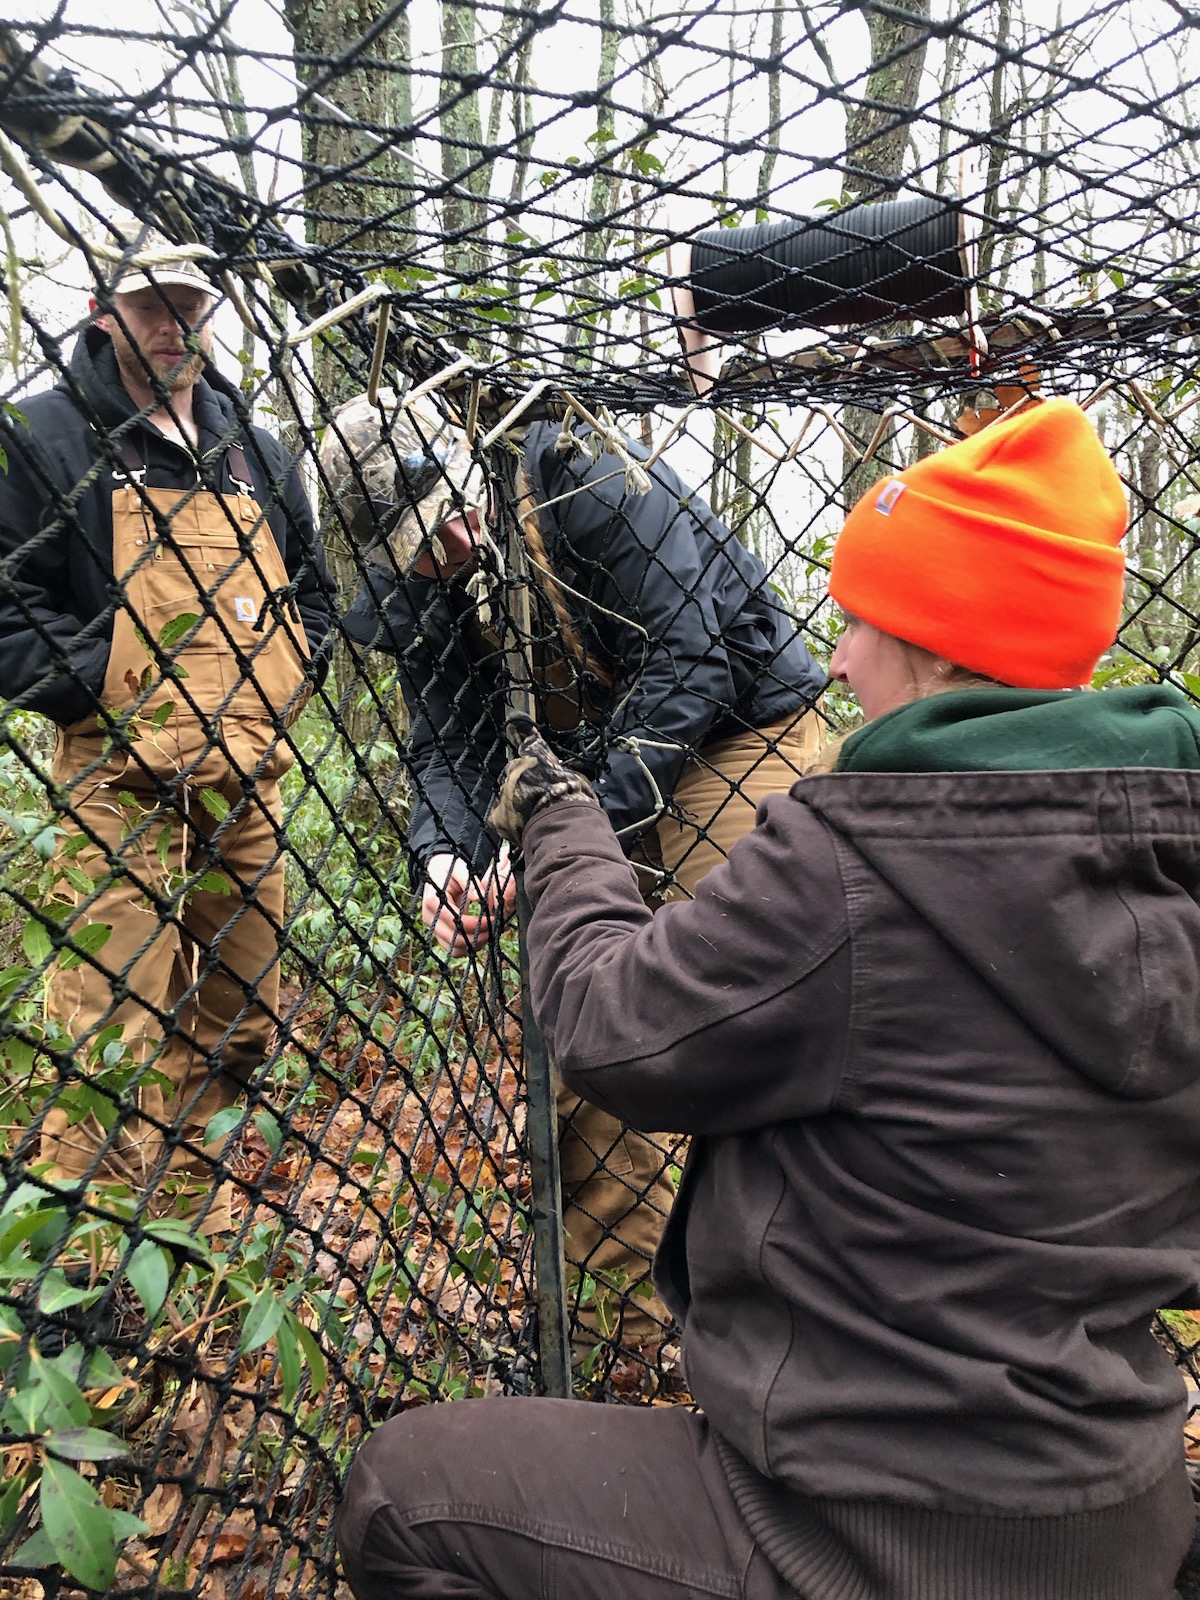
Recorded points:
(178, 809)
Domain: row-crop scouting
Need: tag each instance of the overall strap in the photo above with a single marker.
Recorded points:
(131, 459)
(235, 463)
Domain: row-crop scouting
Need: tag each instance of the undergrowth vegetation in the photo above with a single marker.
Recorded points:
(171, 1402)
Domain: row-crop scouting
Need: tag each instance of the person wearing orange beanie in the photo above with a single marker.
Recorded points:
(932, 1029)
(1001, 553)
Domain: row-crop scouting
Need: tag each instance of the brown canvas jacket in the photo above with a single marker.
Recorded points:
(937, 1036)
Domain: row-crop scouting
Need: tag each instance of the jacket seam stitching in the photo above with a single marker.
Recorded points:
(859, 967)
(770, 1388)
(1139, 1050)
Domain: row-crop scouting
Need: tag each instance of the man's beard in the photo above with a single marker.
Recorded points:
(138, 367)
(185, 376)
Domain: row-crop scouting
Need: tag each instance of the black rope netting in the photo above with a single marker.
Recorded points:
(633, 306)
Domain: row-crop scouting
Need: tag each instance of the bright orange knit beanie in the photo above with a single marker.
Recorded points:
(1000, 553)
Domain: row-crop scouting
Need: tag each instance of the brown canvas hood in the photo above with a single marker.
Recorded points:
(1073, 895)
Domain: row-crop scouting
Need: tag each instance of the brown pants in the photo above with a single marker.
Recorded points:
(616, 1183)
(546, 1500)
(721, 788)
(617, 1190)
(565, 1500)
(189, 973)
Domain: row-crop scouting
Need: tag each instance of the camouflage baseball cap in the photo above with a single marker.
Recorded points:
(158, 263)
(398, 473)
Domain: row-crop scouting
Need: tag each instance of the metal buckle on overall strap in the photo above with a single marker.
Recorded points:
(133, 468)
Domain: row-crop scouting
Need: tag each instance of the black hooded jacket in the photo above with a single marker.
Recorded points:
(667, 603)
(57, 591)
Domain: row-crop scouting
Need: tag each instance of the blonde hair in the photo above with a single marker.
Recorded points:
(549, 586)
(946, 678)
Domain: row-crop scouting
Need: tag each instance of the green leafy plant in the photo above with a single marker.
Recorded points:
(64, 1393)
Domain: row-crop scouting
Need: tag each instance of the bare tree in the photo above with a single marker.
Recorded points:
(878, 134)
(370, 180)
(464, 216)
(879, 121)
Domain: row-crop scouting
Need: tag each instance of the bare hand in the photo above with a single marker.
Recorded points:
(459, 908)
(501, 886)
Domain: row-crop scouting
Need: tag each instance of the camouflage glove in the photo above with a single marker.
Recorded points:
(534, 778)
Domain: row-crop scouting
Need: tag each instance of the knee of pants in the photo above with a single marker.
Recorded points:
(421, 1457)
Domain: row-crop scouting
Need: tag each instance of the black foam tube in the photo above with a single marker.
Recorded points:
(862, 264)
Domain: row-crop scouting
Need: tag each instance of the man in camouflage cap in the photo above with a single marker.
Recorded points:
(404, 477)
(653, 634)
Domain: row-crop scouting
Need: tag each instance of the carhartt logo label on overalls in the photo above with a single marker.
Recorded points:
(244, 610)
(888, 495)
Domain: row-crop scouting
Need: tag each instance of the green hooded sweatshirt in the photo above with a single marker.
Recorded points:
(1029, 730)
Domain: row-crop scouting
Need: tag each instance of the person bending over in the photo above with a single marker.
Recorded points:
(661, 659)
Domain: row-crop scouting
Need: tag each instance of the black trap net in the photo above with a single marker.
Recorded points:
(460, 361)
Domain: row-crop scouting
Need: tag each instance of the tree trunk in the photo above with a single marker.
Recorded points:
(606, 182)
(463, 216)
(877, 136)
(733, 497)
(998, 140)
(340, 212)
(375, 93)
(878, 124)
(523, 127)
(766, 166)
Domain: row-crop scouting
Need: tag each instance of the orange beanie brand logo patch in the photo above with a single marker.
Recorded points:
(888, 496)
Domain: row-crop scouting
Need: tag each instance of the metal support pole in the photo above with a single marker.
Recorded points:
(541, 1125)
